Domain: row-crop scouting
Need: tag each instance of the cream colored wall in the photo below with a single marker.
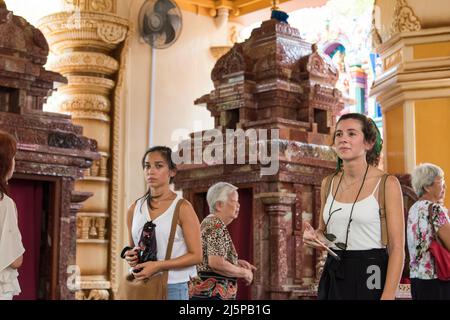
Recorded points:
(183, 73)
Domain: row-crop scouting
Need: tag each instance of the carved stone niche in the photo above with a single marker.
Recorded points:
(52, 153)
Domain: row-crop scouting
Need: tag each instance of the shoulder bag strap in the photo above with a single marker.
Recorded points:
(382, 205)
(175, 219)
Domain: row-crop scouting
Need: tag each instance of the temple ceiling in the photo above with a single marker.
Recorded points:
(236, 7)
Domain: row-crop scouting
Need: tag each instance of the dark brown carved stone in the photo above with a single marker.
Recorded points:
(68, 141)
(24, 83)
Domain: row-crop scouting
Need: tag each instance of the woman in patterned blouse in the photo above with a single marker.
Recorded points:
(428, 182)
(220, 268)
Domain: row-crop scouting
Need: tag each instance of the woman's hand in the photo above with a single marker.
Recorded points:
(248, 271)
(248, 276)
(312, 237)
(246, 265)
(131, 256)
(149, 268)
(17, 263)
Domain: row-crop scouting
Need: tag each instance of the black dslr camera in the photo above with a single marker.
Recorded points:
(147, 245)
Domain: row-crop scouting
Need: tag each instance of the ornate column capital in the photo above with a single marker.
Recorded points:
(104, 6)
(68, 30)
(276, 203)
(405, 20)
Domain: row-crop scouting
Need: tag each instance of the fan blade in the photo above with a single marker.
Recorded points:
(169, 31)
(175, 21)
(145, 26)
(163, 6)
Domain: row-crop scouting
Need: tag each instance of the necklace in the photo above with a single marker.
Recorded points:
(157, 199)
(351, 211)
(348, 185)
(331, 237)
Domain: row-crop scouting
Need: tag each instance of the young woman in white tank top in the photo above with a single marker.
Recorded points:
(158, 205)
(350, 222)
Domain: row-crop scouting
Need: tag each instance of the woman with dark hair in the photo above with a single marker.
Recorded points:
(157, 208)
(11, 248)
(360, 226)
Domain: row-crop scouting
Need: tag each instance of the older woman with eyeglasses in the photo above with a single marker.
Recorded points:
(350, 223)
(427, 219)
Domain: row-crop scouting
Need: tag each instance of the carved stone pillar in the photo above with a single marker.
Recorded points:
(278, 206)
(88, 45)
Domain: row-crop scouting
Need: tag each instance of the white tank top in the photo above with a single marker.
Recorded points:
(365, 229)
(162, 230)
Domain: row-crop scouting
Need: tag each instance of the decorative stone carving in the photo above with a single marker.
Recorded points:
(111, 33)
(103, 169)
(233, 62)
(100, 224)
(94, 171)
(91, 62)
(91, 226)
(87, 106)
(318, 65)
(94, 294)
(103, 6)
(376, 38)
(93, 29)
(404, 18)
(98, 295)
(68, 141)
(85, 223)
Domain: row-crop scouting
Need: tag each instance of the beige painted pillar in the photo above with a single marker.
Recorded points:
(88, 45)
(413, 40)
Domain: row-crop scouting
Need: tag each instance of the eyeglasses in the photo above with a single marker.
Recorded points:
(331, 237)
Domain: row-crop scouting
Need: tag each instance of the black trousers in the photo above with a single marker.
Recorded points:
(360, 275)
(434, 289)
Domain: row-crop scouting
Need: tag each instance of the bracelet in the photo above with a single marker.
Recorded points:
(122, 254)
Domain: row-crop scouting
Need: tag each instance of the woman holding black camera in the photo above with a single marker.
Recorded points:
(155, 211)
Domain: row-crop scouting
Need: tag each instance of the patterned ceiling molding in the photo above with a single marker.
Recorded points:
(236, 7)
